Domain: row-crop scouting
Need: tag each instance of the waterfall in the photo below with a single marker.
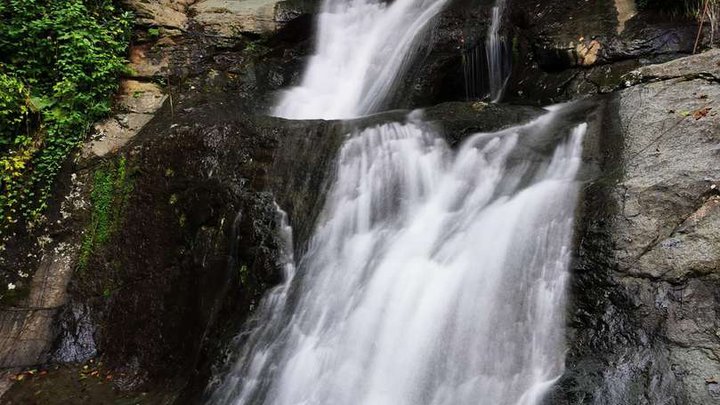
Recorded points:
(362, 48)
(434, 277)
(474, 63)
(497, 54)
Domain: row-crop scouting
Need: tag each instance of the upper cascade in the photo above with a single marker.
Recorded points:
(362, 48)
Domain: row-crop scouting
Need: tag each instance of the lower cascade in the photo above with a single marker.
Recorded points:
(435, 276)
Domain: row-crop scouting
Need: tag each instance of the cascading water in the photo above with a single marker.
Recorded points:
(497, 54)
(434, 277)
(486, 66)
(362, 48)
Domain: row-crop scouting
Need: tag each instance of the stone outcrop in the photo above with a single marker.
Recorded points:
(160, 13)
(233, 18)
(137, 104)
(645, 295)
(567, 49)
(702, 66)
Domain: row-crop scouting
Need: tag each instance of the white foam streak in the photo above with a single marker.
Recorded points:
(498, 70)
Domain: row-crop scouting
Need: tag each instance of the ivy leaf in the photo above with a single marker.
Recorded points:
(40, 103)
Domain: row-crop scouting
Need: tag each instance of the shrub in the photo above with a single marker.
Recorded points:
(15, 110)
(63, 59)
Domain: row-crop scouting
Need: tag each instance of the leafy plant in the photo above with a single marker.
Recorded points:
(61, 60)
(110, 190)
(15, 110)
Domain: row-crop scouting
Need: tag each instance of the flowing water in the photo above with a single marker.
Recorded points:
(497, 54)
(362, 48)
(474, 63)
(434, 277)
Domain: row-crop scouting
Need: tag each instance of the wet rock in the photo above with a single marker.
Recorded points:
(562, 50)
(645, 287)
(705, 65)
(77, 335)
(558, 50)
(436, 73)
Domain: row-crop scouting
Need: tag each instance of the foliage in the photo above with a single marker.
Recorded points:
(110, 190)
(15, 110)
(62, 59)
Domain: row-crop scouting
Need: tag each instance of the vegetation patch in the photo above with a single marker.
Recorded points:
(59, 66)
(110, 190)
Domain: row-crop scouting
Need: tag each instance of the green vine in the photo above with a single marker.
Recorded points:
(59, 65)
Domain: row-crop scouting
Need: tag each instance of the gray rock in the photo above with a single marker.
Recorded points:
(705, 65)
(77, 339)
(646, 290)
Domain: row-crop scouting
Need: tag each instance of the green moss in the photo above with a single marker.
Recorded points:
(243, 274)
(110, 191)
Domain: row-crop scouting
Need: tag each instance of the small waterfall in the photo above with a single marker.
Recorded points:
(434, 277)
(362, 48)
(474, 64)
(498, 57)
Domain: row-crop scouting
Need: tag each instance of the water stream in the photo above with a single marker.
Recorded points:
(362, 46)
(497, 54)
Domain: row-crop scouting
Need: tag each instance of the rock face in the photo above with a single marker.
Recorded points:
(161, 13)
(566, 49)
(645, 295)
(557, 50)
(231, 18)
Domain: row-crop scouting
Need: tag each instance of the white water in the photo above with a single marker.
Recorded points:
(362, 48)
(434, 278)
(497, 58)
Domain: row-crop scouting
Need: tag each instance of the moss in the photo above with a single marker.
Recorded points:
(243, 274)
(110, 190)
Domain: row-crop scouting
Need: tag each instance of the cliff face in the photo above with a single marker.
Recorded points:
(195, 242)
(644, 319)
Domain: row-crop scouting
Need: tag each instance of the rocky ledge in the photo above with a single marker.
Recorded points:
(644, 319)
